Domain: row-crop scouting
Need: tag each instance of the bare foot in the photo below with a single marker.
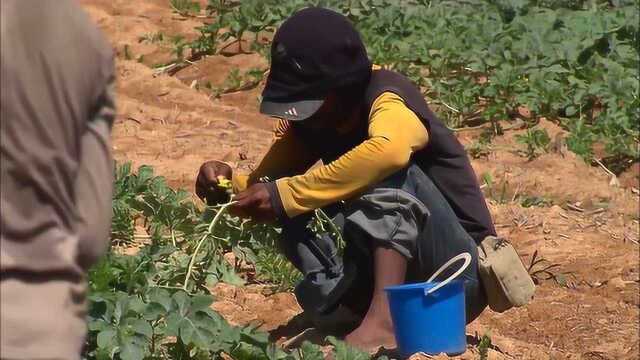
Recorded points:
(370, 336)
(376, 329)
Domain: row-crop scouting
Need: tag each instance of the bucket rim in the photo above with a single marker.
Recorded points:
(420, 286)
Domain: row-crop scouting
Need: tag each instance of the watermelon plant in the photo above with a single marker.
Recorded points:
(185, 7)
(479, 61)
(536, 142)
(154, 302)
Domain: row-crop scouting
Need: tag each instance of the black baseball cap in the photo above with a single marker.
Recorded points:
(314, 51)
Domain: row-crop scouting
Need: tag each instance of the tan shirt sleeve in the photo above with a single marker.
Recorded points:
(287, 156)
(395, 132)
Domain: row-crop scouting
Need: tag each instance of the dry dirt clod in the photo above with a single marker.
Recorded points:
(619, 283)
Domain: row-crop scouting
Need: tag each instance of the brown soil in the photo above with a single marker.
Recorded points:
(591, 312)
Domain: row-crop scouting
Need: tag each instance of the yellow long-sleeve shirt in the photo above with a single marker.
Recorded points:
(394, 133)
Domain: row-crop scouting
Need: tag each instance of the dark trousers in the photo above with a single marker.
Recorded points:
(405, 212)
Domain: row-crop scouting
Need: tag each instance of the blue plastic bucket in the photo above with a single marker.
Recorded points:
(430, 317)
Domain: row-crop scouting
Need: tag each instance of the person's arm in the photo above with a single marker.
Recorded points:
(94, 182)
(395, 132)
(287, 156)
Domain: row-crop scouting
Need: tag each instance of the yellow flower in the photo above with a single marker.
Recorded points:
(224, 183)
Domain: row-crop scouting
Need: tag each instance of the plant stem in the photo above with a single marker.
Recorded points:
(212, 225)
(333, 226)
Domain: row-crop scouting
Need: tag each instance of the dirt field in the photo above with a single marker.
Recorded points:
(589, 312)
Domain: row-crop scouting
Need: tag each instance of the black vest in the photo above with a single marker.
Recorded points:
(444, 159)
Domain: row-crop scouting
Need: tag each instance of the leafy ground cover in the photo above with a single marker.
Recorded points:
(479, 61)
(155, 303)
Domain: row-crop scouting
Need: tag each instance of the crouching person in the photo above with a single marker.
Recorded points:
(395, 180)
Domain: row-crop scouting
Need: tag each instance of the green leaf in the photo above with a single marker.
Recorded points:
(191, 333)
(181, 299)
(211, 280)
(142, 327)
(173, 324)
(231, 277)
(132, 351)
(137, 305)
(97, 325)
(200, 302)
(244, 351)
(309, 351)
(557, 69)
(154, 311)
(487, 179)
(346, 352)
(186, 331)
(160, 296)
(121, 307)
(145, 174)
(107, 339)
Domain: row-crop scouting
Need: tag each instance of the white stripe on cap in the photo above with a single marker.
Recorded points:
(292, 112)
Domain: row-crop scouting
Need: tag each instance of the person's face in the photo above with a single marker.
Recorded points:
(327, 117)
(331, 116)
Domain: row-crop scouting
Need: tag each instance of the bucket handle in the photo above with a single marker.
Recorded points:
(467, 260)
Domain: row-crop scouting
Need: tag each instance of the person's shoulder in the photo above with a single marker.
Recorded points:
(381, 77)
(88, 36)
(92, 34)
(385, 81)
(387, 101)
(60, 28)
(74, 23)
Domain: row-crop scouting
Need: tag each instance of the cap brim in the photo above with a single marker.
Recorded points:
(291, 110)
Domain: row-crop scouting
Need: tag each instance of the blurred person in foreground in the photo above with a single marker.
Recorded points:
(394, 179)
(57, 172)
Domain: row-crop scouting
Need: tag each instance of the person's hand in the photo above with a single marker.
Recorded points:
(255, 203)
(207, 182)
